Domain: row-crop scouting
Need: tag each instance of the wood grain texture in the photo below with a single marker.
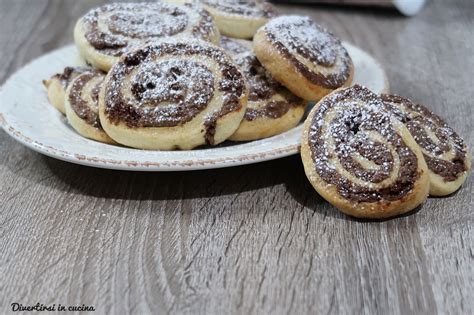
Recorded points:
(252, 239)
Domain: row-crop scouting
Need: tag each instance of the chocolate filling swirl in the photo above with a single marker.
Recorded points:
(84, 98)
(68, 74)
(305, 43)
(356, 148)
(262, 86)
(435, 137)
(169, 84)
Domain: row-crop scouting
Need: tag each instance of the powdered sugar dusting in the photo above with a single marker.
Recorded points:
(172, 82)
(308, 45)
(444, 151)
(236, 46)
(168, 84)
(119, 27)
(306, 38)
(260, 82)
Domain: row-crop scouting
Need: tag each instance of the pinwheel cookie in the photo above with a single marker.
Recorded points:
(304, 57)
(445, 153)
(173, 95)
(360, 158)
(58, 84)
(82, 106)
(237, 18)
(271, 108)
(106, 33)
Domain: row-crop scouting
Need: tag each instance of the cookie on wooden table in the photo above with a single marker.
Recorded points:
(360, 158)
(445, 152)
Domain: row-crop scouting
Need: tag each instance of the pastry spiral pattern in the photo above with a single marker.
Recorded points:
(444, 151)
(304, 56)
(173, 95)
(360, 158)
(82, 105)
(107, 32)
(237, 18)
(58, 84)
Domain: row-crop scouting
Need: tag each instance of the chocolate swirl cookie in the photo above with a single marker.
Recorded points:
(303, 56)
(107, 32)
(173, 95)
(360, 158)
(445, 153)
(82, 105)
(271, 109)
(238, 18)
(58, 84)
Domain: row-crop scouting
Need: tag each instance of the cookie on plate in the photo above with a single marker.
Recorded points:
(236, 18)
(57, 85)
(107, 32)
(445, 152)
(82, 105)
(303, 56)
(271, 108)
(173, 95)
(360, 158)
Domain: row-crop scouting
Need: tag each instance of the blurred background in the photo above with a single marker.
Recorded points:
(406, 7)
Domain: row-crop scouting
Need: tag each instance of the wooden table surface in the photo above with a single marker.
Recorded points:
(251, 239)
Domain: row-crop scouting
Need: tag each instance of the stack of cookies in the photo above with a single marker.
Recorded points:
(181, 74)
(378, 156)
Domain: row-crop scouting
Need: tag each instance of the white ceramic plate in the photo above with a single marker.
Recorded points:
(26, 115)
